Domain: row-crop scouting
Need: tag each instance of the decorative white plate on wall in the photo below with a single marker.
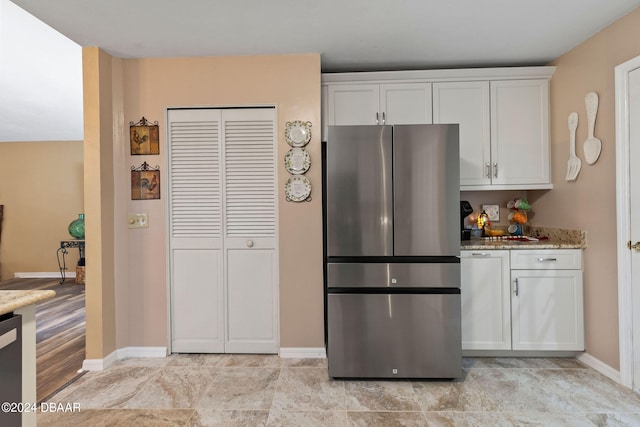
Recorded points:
(297, 188)
(297, 133)
(297, 161)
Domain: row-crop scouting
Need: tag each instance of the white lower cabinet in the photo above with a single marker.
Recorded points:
(547, 304)
(522, 300)
(486, 303)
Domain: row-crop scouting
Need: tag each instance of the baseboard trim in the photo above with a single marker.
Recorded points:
(43, 275)
(100, 364)
(303, 353)
(123, 353)
(601, 367)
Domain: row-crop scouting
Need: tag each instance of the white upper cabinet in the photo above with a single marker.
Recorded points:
(355, 104)
(503, 115)
(374, 104)
(467, 103)
(520, 132)
(405, 103)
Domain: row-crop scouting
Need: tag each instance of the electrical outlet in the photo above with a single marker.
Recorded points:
(493, 211)
(138, 220)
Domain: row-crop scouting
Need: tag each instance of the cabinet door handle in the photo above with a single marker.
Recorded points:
(547, 259)
(495, 170)
(488, 165)
(515, 290)
(480, 254)
(377, 121)
(384, 118)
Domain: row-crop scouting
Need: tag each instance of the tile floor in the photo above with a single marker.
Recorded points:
(235, 390)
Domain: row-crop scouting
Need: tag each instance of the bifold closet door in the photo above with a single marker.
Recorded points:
(195, 209)
(223, 230)
(250, 231)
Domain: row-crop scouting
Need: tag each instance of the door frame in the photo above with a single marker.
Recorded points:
(623, 222)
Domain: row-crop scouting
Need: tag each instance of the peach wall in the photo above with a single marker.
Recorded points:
(42, 189)
(292, 84)
(99, 202)
(589, 203)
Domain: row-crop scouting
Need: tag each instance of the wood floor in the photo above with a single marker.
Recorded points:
(60, 332)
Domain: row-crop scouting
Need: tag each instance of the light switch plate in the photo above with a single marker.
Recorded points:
(138, 220)
(493, 211)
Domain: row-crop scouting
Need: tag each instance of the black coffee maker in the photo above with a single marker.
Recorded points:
(465, 211)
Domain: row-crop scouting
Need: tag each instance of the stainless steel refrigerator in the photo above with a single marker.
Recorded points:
(392, 251)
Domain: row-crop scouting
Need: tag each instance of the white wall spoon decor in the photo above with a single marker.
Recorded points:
(592, 146)
(574, 163)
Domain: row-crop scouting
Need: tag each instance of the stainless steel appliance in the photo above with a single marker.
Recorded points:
(392, 232)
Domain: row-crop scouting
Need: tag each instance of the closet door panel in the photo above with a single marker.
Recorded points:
(196, 232)
(251, 326)
(250, 230)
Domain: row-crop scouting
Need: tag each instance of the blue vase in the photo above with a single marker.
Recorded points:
(76, 228)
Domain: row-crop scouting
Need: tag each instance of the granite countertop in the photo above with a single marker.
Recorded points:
(552, 238)
(13, 300)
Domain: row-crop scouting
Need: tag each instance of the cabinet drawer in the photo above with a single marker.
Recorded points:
(546, 259)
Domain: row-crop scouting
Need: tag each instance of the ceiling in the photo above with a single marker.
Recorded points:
(350, 35)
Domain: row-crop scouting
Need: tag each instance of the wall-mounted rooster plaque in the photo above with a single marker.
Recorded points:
(144, 137)
(145, 182)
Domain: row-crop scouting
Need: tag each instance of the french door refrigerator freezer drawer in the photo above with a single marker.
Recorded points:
(394, 335)
(395, 275)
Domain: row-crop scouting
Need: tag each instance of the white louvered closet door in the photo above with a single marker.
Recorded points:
(223, 231)
(196, 232)
(250, 230)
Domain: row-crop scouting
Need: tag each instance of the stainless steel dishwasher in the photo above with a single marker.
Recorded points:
(11, 367)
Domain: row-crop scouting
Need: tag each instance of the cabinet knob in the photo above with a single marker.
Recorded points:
(249, 243)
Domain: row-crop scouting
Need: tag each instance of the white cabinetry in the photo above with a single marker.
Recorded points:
(467, 103)
(547, 302)
(520, 132)
(371, 104)
(486, 302)
(354, 104)
(522, 300)
(503, 115)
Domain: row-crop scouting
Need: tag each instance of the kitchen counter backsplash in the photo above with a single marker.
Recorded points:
(558, 238)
